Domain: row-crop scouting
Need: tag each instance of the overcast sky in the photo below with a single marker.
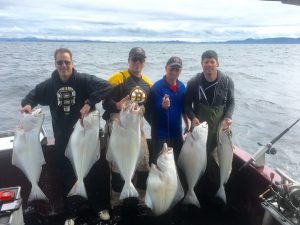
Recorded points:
(135, 20)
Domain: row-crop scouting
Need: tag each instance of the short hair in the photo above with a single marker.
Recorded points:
(62, 50)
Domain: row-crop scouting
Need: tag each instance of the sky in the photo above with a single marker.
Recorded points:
(144, 20)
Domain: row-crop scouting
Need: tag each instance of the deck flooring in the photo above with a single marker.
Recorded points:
(180, 215)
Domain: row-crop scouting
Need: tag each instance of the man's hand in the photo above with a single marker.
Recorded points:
(121, 104)
(26, 109)
(166, 102)
(83, 112)
(226, 123)
(186, 129)
(195, 122)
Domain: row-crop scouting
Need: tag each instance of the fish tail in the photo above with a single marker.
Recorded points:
(78, 189)
(221, 193)
(128, 191)
(191, 198)
(36, 193)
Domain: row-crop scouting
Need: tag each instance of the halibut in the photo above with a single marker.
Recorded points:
(27, 150)
(124, 148)
(83, 150)
(193, 159)
(163, 185)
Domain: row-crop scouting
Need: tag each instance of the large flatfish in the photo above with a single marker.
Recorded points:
(27, 150)
(192, 160)
(124, 148)
(163, 185)
(225, 155)
(83, 150)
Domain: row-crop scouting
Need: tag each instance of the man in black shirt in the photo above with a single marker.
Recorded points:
(70, 95)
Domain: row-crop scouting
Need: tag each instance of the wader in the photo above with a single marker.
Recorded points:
(210, 182)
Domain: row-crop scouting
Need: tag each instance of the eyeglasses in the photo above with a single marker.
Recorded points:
(135, 59)
(60, 62)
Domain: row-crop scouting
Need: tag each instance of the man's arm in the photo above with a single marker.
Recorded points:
(229, 108)
(98, 89)
(188, 101)
(36, 96)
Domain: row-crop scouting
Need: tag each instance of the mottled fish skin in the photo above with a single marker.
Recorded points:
(83, 150)
(192, 160)
(162, 182)
(225, 156)
(27, 150)
(124, 148)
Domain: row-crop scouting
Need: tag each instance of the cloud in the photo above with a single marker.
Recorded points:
(216, 20)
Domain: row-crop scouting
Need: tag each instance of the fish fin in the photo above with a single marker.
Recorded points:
(191, 198)
(221, 193)
(128, 191)
(78, 189)
(148, 200)
(179, 193)
(36, 193)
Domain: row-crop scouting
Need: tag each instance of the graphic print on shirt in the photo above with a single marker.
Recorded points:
(66, 98)
(138, 95)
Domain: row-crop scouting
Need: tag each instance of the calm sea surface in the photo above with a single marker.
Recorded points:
(266, 77)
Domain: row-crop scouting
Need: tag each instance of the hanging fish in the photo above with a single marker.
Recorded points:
(83, 150)
(27, 150)
(192, 160)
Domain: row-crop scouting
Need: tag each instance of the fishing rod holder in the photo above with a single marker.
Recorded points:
(258, 158)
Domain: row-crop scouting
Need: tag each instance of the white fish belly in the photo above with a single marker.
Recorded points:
(225, 156)
(83, 151)
(161, 189)
(125, 145)
(27, 152)
(193, 161)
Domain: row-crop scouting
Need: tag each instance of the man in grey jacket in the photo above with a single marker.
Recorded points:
(210, 97)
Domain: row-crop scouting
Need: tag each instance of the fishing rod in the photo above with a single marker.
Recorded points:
(267, 147)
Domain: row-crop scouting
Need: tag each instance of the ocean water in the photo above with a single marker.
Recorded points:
(266, 78)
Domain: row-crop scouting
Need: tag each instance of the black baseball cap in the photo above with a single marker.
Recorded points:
(137, 52)
(174, 61)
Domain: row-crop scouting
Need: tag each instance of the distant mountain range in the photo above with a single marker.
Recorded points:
(279, 40)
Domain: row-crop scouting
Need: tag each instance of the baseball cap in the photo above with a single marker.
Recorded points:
(174, 61)
(137, 52)
(209, 54)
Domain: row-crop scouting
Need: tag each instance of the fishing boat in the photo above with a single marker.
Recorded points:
(256, 194)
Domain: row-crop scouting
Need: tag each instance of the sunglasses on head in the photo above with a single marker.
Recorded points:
(60, 62)
(135, 59)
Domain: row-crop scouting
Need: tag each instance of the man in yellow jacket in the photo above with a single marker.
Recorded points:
(132, 85)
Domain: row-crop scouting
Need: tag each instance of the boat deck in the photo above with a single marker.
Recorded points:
(181, 215)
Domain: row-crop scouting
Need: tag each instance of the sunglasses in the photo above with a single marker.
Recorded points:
(135, 59)
(60, 62)
(175, 69)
